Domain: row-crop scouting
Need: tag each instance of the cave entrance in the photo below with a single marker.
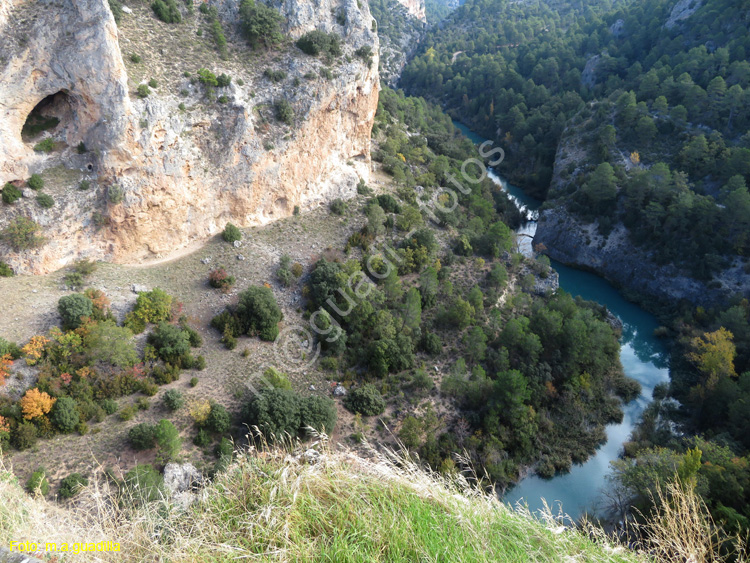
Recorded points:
(53, 113)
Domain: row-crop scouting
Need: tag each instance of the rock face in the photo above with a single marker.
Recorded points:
(171, 169)
(399, 38)
(618, 260)
(416, 8)
(682, 10)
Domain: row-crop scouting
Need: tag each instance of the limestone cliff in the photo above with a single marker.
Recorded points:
(176, 166)
(416, 8)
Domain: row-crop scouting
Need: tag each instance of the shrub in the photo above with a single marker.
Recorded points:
(338, 206)
(38, 481)
(141, 436)
(218, 419)
(202, 438)
(143, 91)
(149, 387)
(73, 308)
(200, 365)
(284, 111)
(145, 483)
(115, 195)
(275, 412)
(365, 400)
(5, 270)
(45, 201)
(318, 413)
(220, 279)
(64, 415)
(150, 307)
(84, 185)
(173, 399)
(47, 145)
(172, 343)
(207, 78)
(261, 24)
(258, 313)
(71, 484)
(21, 234)
(431, 343)
(223, 80)
(231, 233)
(25, 436)
(116, 7)
(127, 413)
(167, 11)
(194, 380)
(36, 182)
(142, 404)
(274, 379)
(297, 269)
(11, 194)
(167, 438)
(134, 58)
(274, 75)
(109, 406)
(316, 42)
(365, 53)
(153, 83)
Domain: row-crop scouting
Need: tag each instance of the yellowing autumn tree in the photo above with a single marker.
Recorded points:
(5, 362)
(36, 403)
(635, 157)
(713, 353)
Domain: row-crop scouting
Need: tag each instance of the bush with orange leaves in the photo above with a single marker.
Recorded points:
(5, 362)
(36, 403)
(4, 434)
(34, 349)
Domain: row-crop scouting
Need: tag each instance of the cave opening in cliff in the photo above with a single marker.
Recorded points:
(51, 114)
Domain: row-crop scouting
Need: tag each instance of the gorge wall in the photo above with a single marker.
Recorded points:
(176, 166)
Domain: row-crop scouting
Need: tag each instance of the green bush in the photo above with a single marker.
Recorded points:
(71, 484)
(45, 201)
(258, 313)
(128, 413)
(261, 24)
(365, 400)
(218, 419)
(84, 185)
(148, 387)
(142, 403)
(172, 343)
(200, 365)
(47, 145)
(72, 308)
(109, 406)
(202, 438)
(168, 439)
(21, 234)
(431, 343)
(365, 53)
(274, 75)
(274, 379)
(25, 435)
(145, 483)
(141, 436)
(11, 194)
(36, 182)
(167, 11)
(116, 8)
(194, 380)
(135, 58)
(64, 415)
(38, 481)
(81, 148)
(115, 194)
(5, 270)
(150, 307)
(143, 91)
(173, 399)
(275, 412)
(231, 233)
(316, 42)
(223, 80)
(318, 413)
(338, 206)
(153, 83)
(284, 111)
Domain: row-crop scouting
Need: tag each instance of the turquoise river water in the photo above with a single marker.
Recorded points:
(642, 356)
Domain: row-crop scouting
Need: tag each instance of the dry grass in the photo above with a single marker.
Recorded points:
(272, 505)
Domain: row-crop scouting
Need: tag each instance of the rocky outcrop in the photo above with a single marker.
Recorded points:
(416, 8)
(175, 167)
(682, 10)
(400, 33)
(616, 258)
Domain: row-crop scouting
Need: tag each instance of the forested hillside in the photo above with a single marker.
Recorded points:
(654, 100)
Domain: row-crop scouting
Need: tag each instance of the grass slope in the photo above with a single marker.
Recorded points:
(273, 506)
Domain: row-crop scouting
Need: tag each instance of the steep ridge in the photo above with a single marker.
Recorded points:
(163, 176)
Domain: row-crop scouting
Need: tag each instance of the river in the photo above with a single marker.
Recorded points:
(643, 358)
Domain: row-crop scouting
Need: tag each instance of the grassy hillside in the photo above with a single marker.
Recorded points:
(274, 506)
